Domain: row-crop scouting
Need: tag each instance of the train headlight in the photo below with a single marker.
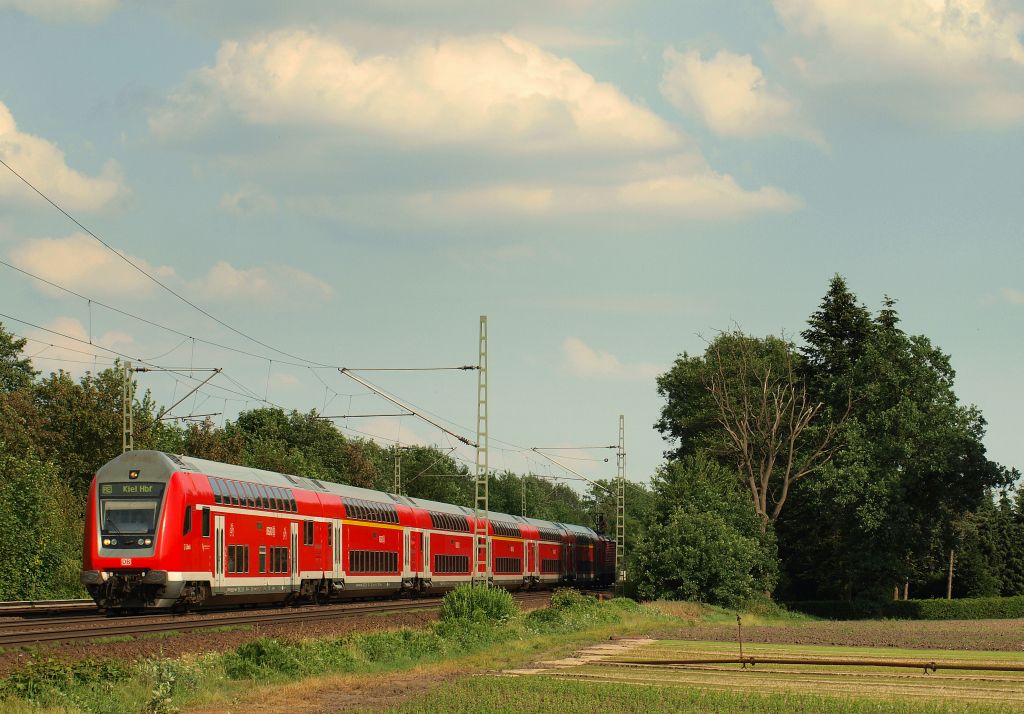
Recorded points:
(113, 541)
(106, 541)
(149, 541)
(141, 541)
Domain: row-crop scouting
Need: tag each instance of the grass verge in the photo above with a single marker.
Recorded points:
(478, 625)
(541, 693)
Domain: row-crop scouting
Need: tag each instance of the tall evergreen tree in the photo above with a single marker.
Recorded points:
(835, 340)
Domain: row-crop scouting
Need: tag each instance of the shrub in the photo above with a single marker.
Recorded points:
(476, 603)
(700, 556)
(261, 657)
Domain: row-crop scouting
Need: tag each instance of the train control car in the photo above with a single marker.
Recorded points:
(165, 531)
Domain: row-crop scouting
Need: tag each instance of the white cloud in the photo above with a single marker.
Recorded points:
(552, 37)
(730, 94)
(582, 360)
(248, 201)
(66, 353)
(80, 263)
(682, 187)
(63, 10)
(496, 89)
(635, 304)
(43, 165)
(225, 281)
(515, 251)
(1013, 296)
(387, 431)
(961, 59)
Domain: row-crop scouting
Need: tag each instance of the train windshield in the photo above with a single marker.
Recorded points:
(119, 516)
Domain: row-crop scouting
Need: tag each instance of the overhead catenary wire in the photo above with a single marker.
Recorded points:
(403, 405)
(134, 265)
(152, 277)
(249, 393)
(145, 320)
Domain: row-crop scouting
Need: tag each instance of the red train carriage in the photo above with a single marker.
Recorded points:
(165, 530)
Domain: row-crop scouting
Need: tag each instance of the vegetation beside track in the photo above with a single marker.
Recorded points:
(426, 669)
(472, 623)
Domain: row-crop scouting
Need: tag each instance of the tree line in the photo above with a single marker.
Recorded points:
(840, 467)
(56, 431)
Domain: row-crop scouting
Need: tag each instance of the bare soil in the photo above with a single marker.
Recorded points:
(994, 635)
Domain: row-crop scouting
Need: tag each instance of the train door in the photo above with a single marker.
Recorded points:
(337, 571)
(535, 557)
(406, 547)
(426, 556)
(416, 553)
(295, 556)
(218, 552)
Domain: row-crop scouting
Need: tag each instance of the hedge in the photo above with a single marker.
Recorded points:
(980, 608)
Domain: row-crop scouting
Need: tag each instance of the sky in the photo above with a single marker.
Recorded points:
(610, 183)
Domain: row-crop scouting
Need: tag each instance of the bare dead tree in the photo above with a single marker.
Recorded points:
(763, 407)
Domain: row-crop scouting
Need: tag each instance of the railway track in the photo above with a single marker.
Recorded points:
(17, 608)
(34, 632)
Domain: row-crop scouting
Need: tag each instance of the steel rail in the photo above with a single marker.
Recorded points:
(17, 607)
(931, 665)
(196, 623)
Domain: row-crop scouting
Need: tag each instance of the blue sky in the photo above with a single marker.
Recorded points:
(609, 182)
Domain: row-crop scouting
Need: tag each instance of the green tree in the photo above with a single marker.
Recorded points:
(16, 372)
(706, 542)
(911, 460)
(40, 531)
(748, 398)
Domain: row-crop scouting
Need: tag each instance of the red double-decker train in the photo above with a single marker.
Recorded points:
(166, 531)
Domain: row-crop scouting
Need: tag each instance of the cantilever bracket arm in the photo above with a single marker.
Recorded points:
(165, 412)
(403, 405)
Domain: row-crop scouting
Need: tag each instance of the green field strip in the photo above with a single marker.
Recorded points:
(878, 676)
(664, 648)
(873, 673)
(818, 687)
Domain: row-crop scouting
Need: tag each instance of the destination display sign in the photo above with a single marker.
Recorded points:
(135, 488)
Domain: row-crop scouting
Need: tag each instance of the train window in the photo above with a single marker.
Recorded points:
(215, 486)
(232, 495)
(330, 534)
(279, 492)
(263, 558)
(291, 498)
(273, 498)
(264, 501)
(243, 493)
(206, 522)
(307, 533)
(250, 495)
(186, 526)
(231, 558)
